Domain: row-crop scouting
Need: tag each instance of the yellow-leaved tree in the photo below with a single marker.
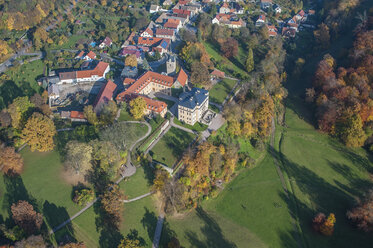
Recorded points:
(39, 132)
(138, 106)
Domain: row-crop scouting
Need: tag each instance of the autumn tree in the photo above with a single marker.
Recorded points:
(112, 203)
(200, 74)
(174, 243)
(362, 214)
(31, 242)
(39, 132)
(131, 60)
(138, 107)
(108, 113)
(18, 111)
(90, 115)
(10, 161)
(129, 243)
(4, 48)
(83, 196)
(324, 225)
(250, 61)
(106, 158)
(40, 103)
(78, 157)
(229, 47)
(26, 217)
(351, 131)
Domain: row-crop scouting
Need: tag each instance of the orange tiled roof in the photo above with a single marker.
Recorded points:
(127, 81)
(149, 77)
(148, 41)
(154, 105)
(182, 77)
(99, 71)
(91, 55)
(77, 115)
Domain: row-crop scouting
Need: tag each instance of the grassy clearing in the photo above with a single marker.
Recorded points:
(199, 127)
(221, 90)
(255, 200)
(225, 65)
(125, 116)
(138, 184)
(70, 44)
(201, 228)
(329, 182)
(171, 146)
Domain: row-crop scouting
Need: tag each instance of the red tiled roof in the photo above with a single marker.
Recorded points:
(172, 23)
(266, 1)
(154, 105)
(149, 31)
(148, 41)
(218, 73)
(80, 54)
(301, 13)
(148, 77)
(184, 2)
(105, 94)
(77, 115)
(99, 71)
(128, 81)
(164, 31)
(91, 55)
(182, 11)
(182, 77)
(107, 41)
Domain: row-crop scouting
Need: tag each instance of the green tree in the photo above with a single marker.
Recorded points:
(39, 132)
(18, 111)
(138, 107)
(250, 61)
(90, 115)
(83, 197)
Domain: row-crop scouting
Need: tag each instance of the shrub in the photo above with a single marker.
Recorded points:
(83, 197)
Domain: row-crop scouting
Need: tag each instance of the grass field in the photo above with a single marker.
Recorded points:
(199, 127)
(22, 81)
(125, 116)
(171, 146)
(329, 182)
(221, 90)
(226, 65)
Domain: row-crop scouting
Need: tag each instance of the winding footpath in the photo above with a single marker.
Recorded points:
(129, 167)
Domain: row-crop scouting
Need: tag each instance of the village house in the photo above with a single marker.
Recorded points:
(97, 74)
(154, 44)
(74, 116)
(193, 105)
(167, 2)
(217, 74)
(165, 33)
(261, 21)
(224, 9)
(272, 31)
(232, 21)
(90, 56)
(173, 24)
(153, 9)
(265, 4)
(105, 43)
(277, 8)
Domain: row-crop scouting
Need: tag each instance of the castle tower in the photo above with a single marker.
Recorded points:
(171, 65)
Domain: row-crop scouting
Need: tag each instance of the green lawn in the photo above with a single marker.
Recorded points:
(199, 127)
(220, 91)
(255, 201)
(224, 64)
(22, 81)
(138, 217)
(329, 182)
(70, 44)
(172, 145)
(125, 116)
(205, 228)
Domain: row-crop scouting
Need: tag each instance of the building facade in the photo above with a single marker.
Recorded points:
(193, 105)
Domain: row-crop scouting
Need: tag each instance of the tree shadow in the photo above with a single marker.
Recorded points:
(149, 222)
(134, 235)
(8, 92)
(314, 194)
(211, 231)
(54, 216)
(167, 234)
(149, 173)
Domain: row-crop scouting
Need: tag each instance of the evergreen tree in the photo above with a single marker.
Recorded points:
(250, 61)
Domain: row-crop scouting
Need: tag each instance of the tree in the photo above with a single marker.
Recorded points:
(129, 243)
(200, 74)
(10, 161)
(39, 132)
(106, 157)
(322, 36)
(83, 196)
(131, 60)
(18, 111)
(90, 115)
(250, 61)
(362, 214)
(138, 107)
(112, 203)
(4, 48)
(24, 215)
(324, 225)
(351, 131)
(174, 243)
(31, 242)
(108, 113)
(78, 157)
(229, 47)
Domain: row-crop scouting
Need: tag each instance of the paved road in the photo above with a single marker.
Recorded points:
(124, 175)
(139, 197)
(158, 231)
(182, 128)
